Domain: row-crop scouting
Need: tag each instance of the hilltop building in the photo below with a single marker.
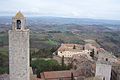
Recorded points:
(68, 50)
(19, 49)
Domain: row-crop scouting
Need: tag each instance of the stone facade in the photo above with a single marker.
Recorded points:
(68, 50)
(103, 70)
(68, 54)
(19, 50)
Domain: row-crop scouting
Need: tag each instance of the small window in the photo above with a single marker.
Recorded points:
(18, 24)
(106, 59)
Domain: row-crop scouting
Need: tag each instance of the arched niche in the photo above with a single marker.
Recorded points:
(18, 24)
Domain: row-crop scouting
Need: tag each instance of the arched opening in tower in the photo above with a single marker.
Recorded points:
(18, 24)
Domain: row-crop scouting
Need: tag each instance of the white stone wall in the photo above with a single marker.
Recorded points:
(19, 55)
(71, 53)
(67, 53)
(103, 70)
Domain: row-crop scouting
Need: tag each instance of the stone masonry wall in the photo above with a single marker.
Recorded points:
(19, 55)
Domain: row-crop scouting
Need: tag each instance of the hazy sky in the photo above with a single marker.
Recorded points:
(100, 9)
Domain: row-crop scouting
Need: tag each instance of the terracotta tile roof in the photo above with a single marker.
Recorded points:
(59, 74)
(69, 47)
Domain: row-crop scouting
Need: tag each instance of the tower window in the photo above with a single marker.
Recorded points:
(18, 24)
(106, 59)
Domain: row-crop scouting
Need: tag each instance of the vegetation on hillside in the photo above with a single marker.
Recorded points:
(44, 53)
(46, 38)
(3, 60)
(41, 65)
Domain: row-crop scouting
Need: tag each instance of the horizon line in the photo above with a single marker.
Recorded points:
(28, 16)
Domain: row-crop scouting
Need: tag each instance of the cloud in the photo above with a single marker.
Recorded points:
(105, 9)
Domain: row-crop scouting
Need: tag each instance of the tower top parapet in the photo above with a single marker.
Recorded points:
(19, 22)
(19, 15)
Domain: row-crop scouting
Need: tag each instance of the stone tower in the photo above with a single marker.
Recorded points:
(19, 49)
(103, 69)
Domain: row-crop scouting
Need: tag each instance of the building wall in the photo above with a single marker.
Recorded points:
(67, 53)
(70, 54)
(103, 70)
(111, 58)
(19, 55)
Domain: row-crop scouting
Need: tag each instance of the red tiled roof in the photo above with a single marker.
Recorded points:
(59, 74)
(67, 47)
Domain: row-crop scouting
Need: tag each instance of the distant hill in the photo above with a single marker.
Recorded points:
(61, 21)
(79, 21)
(54, 30)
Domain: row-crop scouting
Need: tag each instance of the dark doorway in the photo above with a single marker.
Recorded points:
(18, 24)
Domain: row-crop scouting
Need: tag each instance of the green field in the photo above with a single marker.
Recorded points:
(42, 44)
(51, 42)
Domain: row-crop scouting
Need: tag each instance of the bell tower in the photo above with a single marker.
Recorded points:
(19, 49)
(19, 22)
